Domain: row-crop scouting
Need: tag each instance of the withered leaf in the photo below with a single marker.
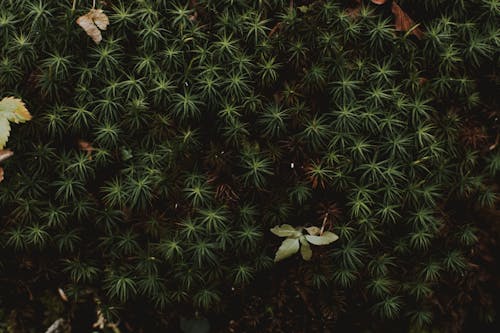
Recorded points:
(62, 294)
(91, 22)
(404, 22)
(1, 174)
(85, 146)
(5, 154)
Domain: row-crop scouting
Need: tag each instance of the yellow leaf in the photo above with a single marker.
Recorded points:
(91, 22)
(4, 132)
(13, 109)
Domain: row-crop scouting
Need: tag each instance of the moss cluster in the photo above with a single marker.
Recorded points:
(158, 159)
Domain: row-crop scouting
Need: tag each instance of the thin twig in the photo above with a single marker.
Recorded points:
(493, 146)
(274, 29)
(323, 225)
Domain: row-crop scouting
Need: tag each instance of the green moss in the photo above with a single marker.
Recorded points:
(211, 124)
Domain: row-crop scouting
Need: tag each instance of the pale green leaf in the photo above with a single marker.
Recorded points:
(305, 249)
(286, 230)
(289, 247)
(326, 238)
(304, 9)
(314, 231)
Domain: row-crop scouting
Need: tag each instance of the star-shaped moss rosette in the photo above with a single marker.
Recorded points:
(295, 240)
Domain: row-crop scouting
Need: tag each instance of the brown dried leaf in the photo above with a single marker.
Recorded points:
(91, 22)
(85, 146)
(404, 22)
(353, 12)
(1, 174)
(101, 321)
(5, 154)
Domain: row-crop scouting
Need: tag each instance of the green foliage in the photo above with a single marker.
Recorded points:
(208, 122)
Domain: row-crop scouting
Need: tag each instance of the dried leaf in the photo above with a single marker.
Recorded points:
(91, 22)
(62, 294)
(326, 238)
(289, 247)
(404, 22)
(101, 321)
(85, 146)
(5, 154)
(286, 230)
(100, 19)
(353, 12)
(1, 174)
(11, 110)
(60, 325)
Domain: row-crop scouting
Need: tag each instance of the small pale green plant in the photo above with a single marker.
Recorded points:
(295, 240)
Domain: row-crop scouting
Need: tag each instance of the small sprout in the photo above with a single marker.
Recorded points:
(296, 240)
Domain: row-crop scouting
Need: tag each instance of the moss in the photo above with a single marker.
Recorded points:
(157, 160)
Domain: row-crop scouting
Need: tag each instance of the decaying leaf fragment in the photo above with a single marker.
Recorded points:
(5, 154)
(11, 110)
(62, 294)
(403, 22)
(86, 146)
(93, 22)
